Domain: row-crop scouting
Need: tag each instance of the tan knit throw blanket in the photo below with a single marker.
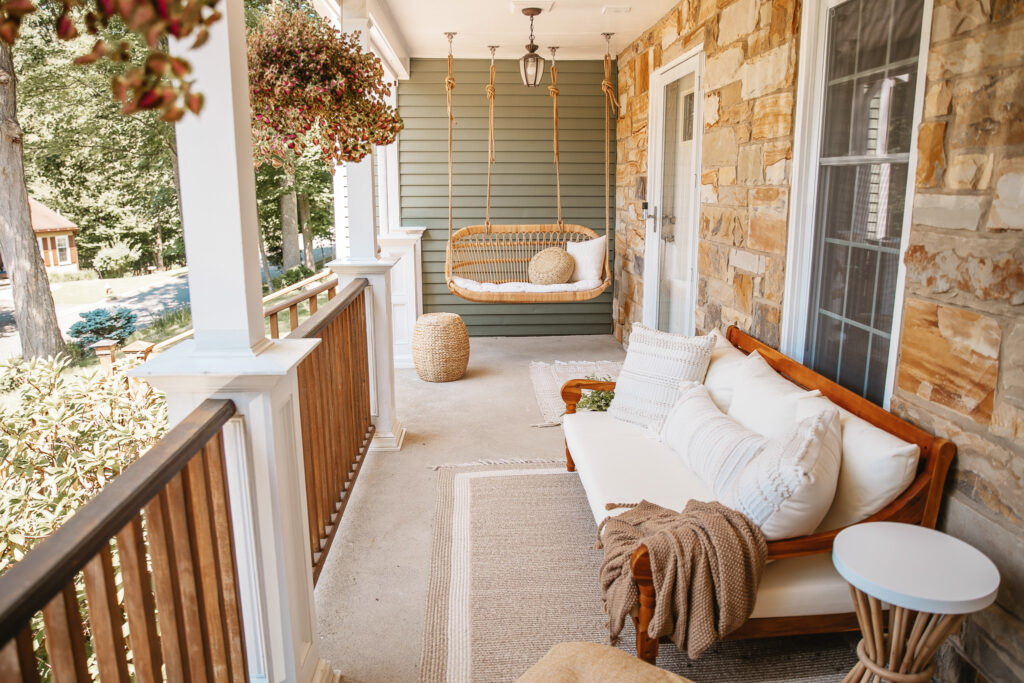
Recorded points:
(706, 562)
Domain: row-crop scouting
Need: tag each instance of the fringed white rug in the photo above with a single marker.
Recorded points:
(548, 379)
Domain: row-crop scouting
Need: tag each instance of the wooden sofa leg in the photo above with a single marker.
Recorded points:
(569, 464)
(646, 647)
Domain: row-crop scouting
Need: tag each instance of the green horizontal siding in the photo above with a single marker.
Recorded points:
(523, 178)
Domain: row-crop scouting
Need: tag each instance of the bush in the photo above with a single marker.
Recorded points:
(73, 275)
(292, 275)
(115, 260)
(103, 323)
(597, 400)
(63, 436)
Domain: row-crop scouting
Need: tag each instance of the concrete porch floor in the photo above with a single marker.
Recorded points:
(371, 595)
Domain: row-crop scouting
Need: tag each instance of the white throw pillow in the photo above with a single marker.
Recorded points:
(589, 257)
(877, 466)
(789, 485)
(709, 442)
(726, 360)
(764, 400)
(656, 362)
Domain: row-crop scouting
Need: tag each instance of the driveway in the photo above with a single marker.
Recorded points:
(147, 304)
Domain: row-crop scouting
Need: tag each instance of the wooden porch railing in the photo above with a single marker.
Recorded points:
(334, 404)
(291, 304)
(170, 576)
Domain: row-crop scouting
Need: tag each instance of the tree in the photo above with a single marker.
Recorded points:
(34, 312)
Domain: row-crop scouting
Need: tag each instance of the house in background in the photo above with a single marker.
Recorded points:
(55, 235)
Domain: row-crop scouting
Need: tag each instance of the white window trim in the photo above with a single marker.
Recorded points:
(67, 247)
(804, 184)
(652, 262)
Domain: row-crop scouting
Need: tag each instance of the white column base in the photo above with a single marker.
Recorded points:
(388, 442)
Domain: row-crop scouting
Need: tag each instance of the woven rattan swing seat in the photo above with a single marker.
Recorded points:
(502, 253)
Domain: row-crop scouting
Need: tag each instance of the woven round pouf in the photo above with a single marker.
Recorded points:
(552, 266)
(440, 347)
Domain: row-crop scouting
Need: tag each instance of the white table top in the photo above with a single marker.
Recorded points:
(916, 568)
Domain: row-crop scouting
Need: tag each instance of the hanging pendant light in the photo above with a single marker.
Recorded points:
(531, 65)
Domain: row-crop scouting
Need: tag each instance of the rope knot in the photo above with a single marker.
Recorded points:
(489, 88)
(553, 90)
(449, 83)
(609, 91)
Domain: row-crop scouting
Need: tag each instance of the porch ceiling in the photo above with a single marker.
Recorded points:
(575, 26)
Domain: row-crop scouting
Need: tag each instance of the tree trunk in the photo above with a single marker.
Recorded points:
(266, 264)
(307, 232)
(289, 224)
(159, 254)
(34, 312)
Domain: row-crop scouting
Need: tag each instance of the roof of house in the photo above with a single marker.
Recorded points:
(45, 219)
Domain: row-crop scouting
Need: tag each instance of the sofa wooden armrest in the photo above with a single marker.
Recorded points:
(572, 391)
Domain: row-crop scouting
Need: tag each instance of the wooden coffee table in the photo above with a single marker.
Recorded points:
(929, 582)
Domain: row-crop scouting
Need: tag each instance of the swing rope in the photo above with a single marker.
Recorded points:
(611, 105)
(489, 89)
(449, 85)
(553, 91)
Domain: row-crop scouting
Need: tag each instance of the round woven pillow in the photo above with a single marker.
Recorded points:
(553, 266)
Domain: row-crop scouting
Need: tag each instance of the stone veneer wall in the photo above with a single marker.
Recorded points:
(961, 367)
(749, 84)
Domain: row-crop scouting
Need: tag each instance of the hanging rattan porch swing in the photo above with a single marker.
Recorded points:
(489, 263)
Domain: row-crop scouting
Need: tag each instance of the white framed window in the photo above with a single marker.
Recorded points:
(63, 250)
(859, 104)
(41, 241)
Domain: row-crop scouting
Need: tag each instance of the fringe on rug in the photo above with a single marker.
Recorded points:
(499, 461)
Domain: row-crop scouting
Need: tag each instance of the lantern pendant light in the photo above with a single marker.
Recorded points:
(531, 65)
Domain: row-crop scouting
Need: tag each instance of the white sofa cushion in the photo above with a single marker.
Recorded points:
(720, 380)
(788, 486)
(656, 362)
(876, 466)
(619, 462)
(589, 256)
(764, 400)
(709, 442)
(799, 586)
(474, 286)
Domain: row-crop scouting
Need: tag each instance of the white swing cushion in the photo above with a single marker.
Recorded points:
(524, 287)
(589, 256)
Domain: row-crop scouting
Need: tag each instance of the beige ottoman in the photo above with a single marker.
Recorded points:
(440, 347)
(594, 663)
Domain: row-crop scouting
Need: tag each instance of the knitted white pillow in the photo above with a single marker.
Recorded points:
(788, 487)
(709, 442)
(589, 257)
(656, 362)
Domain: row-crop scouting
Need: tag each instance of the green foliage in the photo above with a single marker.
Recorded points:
(114, 260)
(312, 179)
(293, 275)
(73, 275)
(596, 400)
(63, 436)
(103, 323)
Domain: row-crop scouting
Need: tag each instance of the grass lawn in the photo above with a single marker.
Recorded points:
(94, 291)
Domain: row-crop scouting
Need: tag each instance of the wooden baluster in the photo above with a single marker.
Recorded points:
(105, 617)
(331, 291)
(293, 316)
(307, 404)
(18, 659)
(325, 443)
(224, 543)
(65, 637)
(188, 588)
(139, 606)
(275, 333)
(204, 557)
(166, 590)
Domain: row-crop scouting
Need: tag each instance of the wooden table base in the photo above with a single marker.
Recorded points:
(898, 649)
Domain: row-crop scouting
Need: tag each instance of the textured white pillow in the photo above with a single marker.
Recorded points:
(656, 362)
(877, 466)
(709, 442)
(726, 359)
(764, 400)
(589, 257)
(788, 487)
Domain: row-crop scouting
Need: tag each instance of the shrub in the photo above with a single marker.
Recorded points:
(115, 260)
(597, 400)
(63, 436)
(103, 323)
(73, 275)
(293, 275)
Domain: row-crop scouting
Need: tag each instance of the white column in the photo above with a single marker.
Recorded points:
(389, 431)
(231, 358)
(405, 246)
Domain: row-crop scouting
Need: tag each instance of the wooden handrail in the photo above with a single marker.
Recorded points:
(299, 298)
(316, 322)
(45, 570)
(298, 285)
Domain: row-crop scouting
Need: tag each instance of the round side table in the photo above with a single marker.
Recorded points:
(930, 581)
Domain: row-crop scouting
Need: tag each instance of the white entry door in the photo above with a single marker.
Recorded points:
(673, 172)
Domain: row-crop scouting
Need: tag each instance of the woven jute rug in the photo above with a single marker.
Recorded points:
(548, 379)
(513, 572)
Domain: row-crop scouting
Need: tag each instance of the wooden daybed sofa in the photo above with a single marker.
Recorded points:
(917, 504)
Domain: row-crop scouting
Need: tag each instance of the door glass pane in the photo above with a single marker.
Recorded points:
(862, 183)
(675, 206)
